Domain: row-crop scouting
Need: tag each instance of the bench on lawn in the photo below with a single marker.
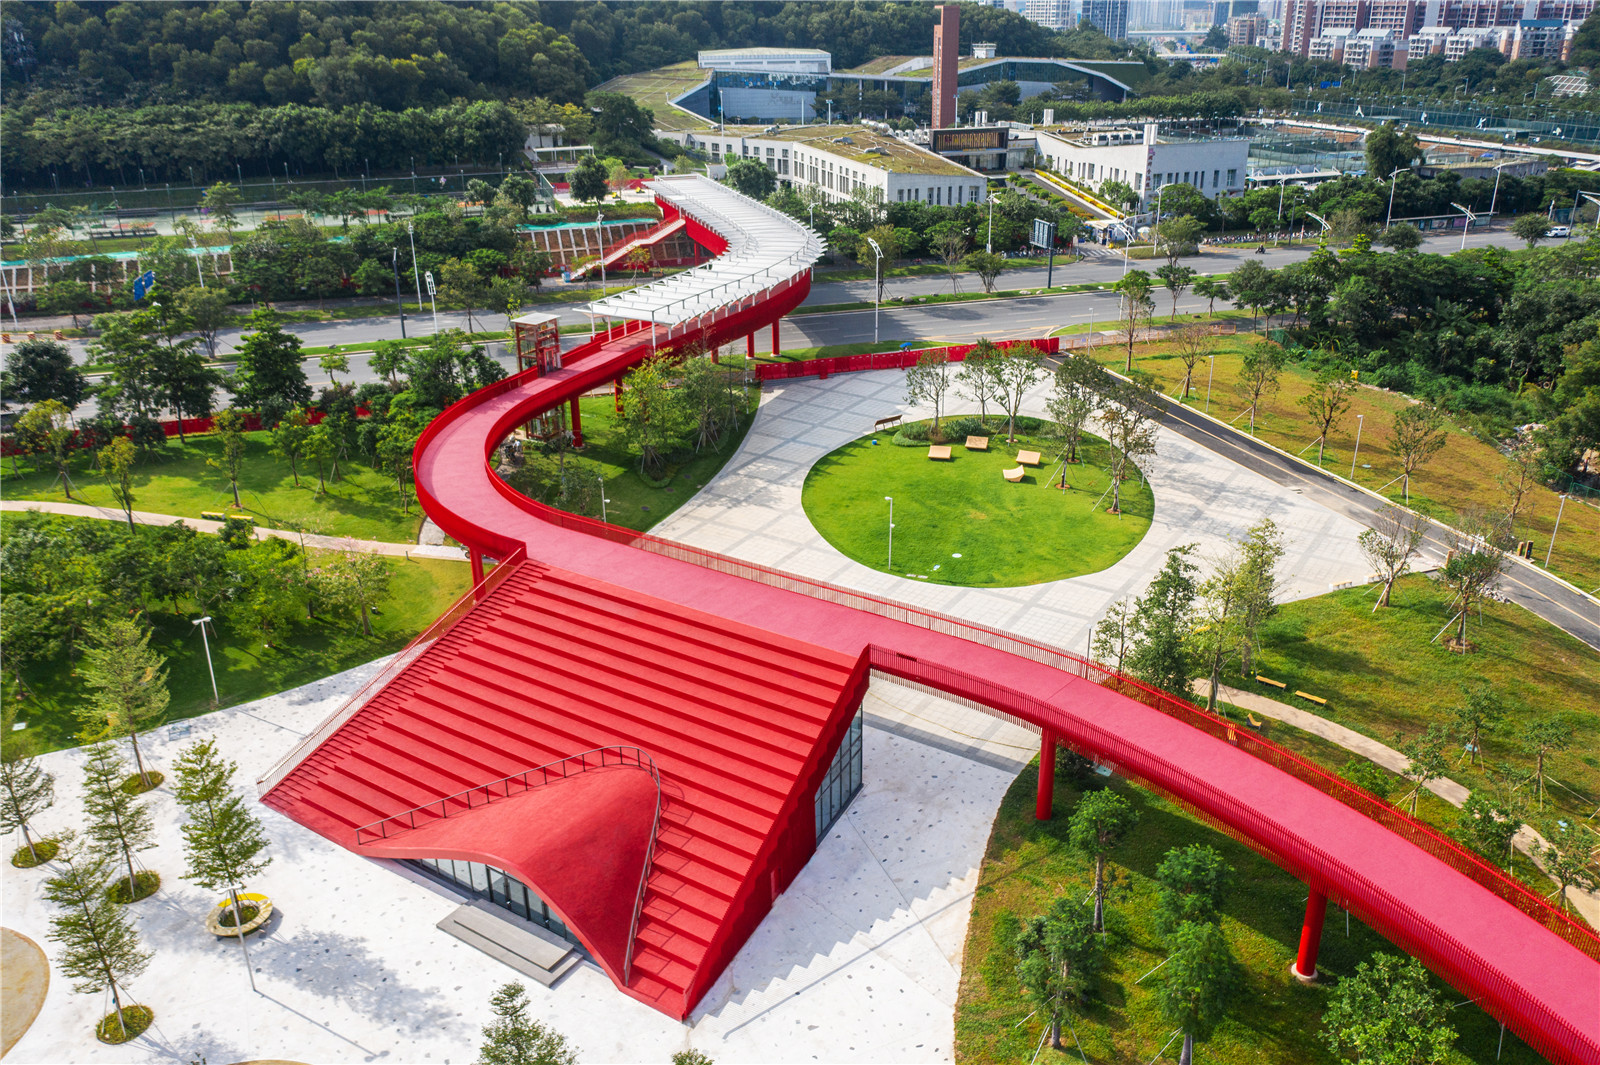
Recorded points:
(1308, 697)
(1280, 685)
(977, 443)
(886, 423)
(1028, 458)
(1014, 475)
(940, 452)
(213, 515)
(1254, 722)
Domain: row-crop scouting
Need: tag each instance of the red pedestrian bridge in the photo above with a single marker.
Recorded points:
(636, 729)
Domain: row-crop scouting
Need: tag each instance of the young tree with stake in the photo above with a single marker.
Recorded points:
(1326, 404)
(1192, 343)
(26, 791)
(222, 839)
(1425, 761)
(977, 380)
(128, 688)
(289, 440)
(50, 423)
(1058, 956)
(1177, 280)
(119, 823)
(515, 1038)
(229, 426)
(99, 947)
(1386, 1014)
(1543, 739)
(929, 382)
(1390, 545)
(1161, 654)
(1201, 977)
(1113, 636)
(1191, 881)
(1015, 371)
(1473, 573)
(1479, 714)
(1419, 434)
(1522, 473)
(1566, 859)
(1101, 821)
(1258, 376)
(116, 461)
(1130, 412)
(1137, 306)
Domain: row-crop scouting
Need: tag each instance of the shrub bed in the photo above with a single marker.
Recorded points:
(43, 850)
(145, 884)
(134, 1021)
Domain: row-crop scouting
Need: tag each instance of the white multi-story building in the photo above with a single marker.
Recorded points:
(776, 60)
(1051, 14)
(1145, 161)
(839, 160)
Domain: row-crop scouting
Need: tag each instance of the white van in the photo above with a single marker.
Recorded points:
(1558, 231)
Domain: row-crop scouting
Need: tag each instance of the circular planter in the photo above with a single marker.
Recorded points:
(137, 1019)
(263, 906)
(43, 851)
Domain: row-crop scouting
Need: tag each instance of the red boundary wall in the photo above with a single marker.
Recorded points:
(882, 360)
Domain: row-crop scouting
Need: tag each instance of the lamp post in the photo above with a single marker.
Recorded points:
(890, 500)
(1359, 422)
(1467, 225)
(1211, 373)
(988, 239)
(414, 276)
(877, 283)
(1562, 509)
(201, 274)
(603, 499)
(600, 239)
(1495, 198)
(398, 305)
(1392, 178)
(201, 622)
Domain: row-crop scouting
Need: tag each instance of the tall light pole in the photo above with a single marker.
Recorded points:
(1562, 509)
(600, 239)
(890, 500)
(401, 307)
(418, 281)
(988, 240)
(1209, 375)
(201, 274)
(1466, 226)
(603, 499)
(1495, 198)
(877, 282)
(215, 698)
(1392, 178)
(1359, 422)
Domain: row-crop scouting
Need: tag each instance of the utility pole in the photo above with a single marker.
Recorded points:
(398, 305)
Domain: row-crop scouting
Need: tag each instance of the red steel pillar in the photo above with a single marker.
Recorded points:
(577, 424)
(476, 558)
(1305, 963)
(1047, 776)
(750, 346)
(774, 338)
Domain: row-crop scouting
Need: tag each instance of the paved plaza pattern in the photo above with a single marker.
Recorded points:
(859, 960)
(752, 510)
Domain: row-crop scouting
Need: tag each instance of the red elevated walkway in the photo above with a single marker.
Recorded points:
(640, 633)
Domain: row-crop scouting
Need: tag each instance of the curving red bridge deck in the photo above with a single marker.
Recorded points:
(736, 677)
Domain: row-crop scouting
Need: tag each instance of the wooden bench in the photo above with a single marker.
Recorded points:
(1254, 722)
(1014, 475)
(886, 423)
(1028, 458)
(213, 515)
(941, 452)
(1308, 697)
(1280, 685)
(977, 443)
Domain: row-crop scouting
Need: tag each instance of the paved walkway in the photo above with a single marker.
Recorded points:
(24, 981)
(752, 510)
(1587, 903)
(324, 543)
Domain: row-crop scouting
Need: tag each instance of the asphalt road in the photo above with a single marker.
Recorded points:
(1525, 585)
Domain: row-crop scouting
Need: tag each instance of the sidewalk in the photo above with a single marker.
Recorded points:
(1587, 903)
(324, 543)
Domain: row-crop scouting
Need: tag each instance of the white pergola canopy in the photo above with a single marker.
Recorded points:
(765, 248)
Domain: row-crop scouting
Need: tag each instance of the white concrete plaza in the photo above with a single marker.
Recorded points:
(752, 510)
(858, 961)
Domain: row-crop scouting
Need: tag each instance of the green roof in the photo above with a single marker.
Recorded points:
(885, 63)
(656, 88)
(893, 155)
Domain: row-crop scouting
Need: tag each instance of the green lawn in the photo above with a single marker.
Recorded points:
(1005, 534)
(1273, 1018)
(419, 591)
(177, 481)
(632, 502)
(1380, 675)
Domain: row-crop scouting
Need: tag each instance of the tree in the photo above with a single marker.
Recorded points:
(50, 423)
(1190, 883)
(1326, 404)
(651, 415)
(986, 265)
(1478, 715)
(1522, 472)
(208, 312)
(1177, 280)
(1566, 858)
(1531, 228)
(588, 180)
(1178, 235)
(1425, 760)
(1388, 150)
(229, 426)
(1473, 573)
(1261, 550)
(1402, 236)
(179, 376)
(1137, 306)
(1075, 396)
(1113, 635)
(515, 1038)
(127, 684)
(1543, 738)
(1131, 412)
(1390, 545)
(929, 382)
(388, 358)
(220, 200)
(39, 370)
(1101, 821)
(1386, 1014)
(1016, 369)
(976, 379)
(1238, 596)
(271, 377)
(1489, 826)
(334, 363)
(289, 440)
(1058, 957)
(1212, 289)
(119, 823)
(462, 287)
(222, 839)
(363, 580)
(116, 461)
(1160, 655)
(1192, 343)
(950, 244)
(99, 946)
(1200, 979)
(752, 177)
(26, 791)
(1419, 434)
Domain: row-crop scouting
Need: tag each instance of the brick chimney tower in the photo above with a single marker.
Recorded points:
(946, 50)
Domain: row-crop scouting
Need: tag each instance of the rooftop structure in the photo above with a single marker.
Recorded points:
(787, 60)
(1144, 160)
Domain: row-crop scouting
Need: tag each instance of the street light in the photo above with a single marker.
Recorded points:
(215, 698)
(1359, 422)
(1562, 509)
(1392, 178)
(1467, 226)
(988, 240)
(1209, 375)
(603, 499)
(877, 280)
(415, 278)
(1495, 198)
(201, 274)
(890, 500)
(395, 263)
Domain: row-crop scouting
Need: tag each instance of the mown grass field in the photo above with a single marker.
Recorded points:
(1005, 534)
(1459, 477)
(1273, 1018)
(366, 504)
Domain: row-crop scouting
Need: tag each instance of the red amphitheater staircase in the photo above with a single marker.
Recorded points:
(620, 252)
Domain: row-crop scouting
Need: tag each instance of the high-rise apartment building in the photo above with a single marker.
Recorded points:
(946, 51)
(1051, 14)
(1110, 16)
(1524, 28)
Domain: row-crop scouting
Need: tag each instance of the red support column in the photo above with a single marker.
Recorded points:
(1047, 776)
(1305, 964)
(577, 424)
(750, 346)
(774, 338)
(476, 558)
(616, 394)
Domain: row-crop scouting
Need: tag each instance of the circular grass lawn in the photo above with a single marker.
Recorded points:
(1005, 533)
